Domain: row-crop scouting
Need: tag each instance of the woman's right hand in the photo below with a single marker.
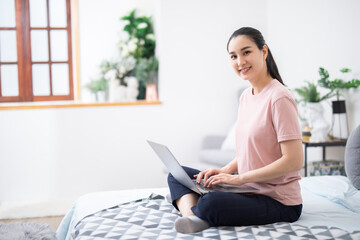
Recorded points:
(206, 174)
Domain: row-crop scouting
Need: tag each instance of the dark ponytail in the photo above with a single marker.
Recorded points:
(256, 36)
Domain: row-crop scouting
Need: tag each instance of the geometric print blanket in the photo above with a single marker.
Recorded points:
(154, 217)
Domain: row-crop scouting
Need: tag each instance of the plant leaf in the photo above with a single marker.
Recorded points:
(345, 70)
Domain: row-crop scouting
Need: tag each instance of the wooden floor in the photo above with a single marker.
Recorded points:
(54, 221)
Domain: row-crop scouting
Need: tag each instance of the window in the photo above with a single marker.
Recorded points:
(35, 51)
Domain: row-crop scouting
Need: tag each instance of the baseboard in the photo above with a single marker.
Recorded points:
(56, 207)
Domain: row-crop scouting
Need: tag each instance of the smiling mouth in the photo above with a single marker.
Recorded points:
(244, 70)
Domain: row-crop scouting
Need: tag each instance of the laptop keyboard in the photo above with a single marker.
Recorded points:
(201, 185)
(225, 188)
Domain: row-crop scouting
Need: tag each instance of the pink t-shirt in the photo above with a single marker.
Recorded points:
(265, 120)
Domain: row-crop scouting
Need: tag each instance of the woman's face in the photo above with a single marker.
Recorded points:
(247, 59)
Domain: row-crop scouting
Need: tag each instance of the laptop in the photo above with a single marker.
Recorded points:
(182, 177)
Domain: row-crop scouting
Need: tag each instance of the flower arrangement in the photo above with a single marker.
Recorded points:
(136, 64)
(118, 70)
(138, 39)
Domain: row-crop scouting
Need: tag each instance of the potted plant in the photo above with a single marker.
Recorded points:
(98, 88)
(310, 93)
(136, 47)
(336, 86)
(146, 72)
(120, 77)
(314, 111)
(139, 41)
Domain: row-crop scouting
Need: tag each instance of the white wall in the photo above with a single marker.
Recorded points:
(59, 153)
(198, 86)
(304, 35)
(53, 153)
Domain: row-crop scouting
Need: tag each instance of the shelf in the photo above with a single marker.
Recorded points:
(72, 104)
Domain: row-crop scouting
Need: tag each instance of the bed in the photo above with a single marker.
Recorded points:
(331, 211)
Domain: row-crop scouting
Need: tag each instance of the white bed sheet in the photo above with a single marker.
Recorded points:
(94, 202)
(328, 200)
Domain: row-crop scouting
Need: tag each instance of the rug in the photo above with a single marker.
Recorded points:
(26, 231)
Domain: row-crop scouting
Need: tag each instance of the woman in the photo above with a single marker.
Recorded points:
(269, 151)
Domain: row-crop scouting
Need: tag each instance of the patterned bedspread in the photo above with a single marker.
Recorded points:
(153, 218)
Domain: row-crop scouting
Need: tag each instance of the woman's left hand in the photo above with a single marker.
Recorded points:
(224, 178)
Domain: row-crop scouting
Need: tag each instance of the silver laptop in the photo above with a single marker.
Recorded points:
(182, 177)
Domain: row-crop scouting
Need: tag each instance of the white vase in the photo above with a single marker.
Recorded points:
(319, 127)
(117, 92)
(101, 96)
(120, 94)
(113, 84)
(132, 90)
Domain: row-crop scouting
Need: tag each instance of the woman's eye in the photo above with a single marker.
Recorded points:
(233, 57)
(246, 53)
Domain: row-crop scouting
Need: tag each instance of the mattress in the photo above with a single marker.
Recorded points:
(331, 209)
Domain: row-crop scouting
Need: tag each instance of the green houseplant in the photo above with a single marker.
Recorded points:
(146, 69)
(314, 112)
(98, 88)
(336, 86)
(136, 50)
(310, 93)
(139, 41)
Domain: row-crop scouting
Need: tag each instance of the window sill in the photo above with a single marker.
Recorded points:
(71, 104)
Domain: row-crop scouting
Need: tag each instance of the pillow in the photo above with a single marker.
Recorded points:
(352, 158)
(336, 189)
(229, 142)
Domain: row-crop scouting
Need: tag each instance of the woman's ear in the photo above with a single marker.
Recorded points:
(265, 51)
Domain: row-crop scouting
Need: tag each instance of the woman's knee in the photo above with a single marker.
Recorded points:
(190, 171)
(171, 178)
(208, 207)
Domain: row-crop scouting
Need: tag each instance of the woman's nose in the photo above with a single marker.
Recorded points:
(240, 61)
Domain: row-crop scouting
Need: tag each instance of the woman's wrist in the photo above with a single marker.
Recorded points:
(230, 167)
(223, 170)
(226, 169)
(241, 178)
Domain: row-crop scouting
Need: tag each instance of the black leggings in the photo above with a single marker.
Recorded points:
(234, 209)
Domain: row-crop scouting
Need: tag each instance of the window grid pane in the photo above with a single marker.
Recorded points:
(41, 79)
(7, 13)
(38, 13)
(8, 52)
(45, 45)
(57, 13)
(9, 80)
(59, 46)
(39, 46)
(60, 79)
